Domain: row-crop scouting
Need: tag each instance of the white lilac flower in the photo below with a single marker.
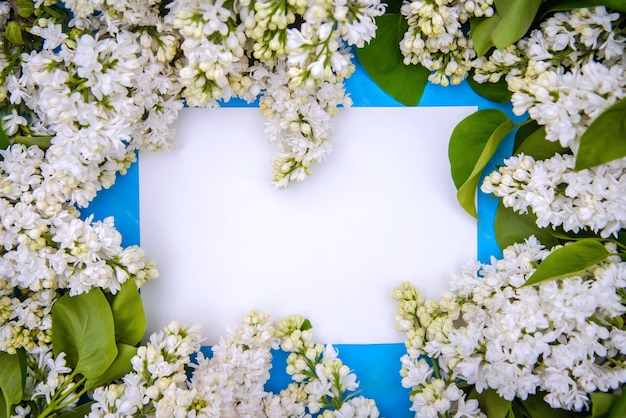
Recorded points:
(435, 38)
(12, 122)
(567, 102)
(141, 13)
(158, 379)
(231, 383)
(356, 20)
(258, 49)
(591, 199)
(213, 50)
(47, 250)
(228, 384)
(52, 34)
(565, 73)
(566, 39)
(77, 91)
(316, 51)
(288, 403)
(323, 381)
(556, 337)
(56, 376)
(300, 123)
(358, 407)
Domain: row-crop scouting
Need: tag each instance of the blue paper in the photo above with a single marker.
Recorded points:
(377, 366)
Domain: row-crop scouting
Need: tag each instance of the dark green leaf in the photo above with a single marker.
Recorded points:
(568, 261)
(57, 12)
(82, 328)
(118, 369)
(519, 410)
(4, 407)
(605, 139)
(128, 314)
(538, 408)
(531, 140)
(560, 234)
(4, 139)
(21, 355)
(80, 411)
(13, 33)
(25, 8)
(525, 130)
(563, 5)
(383, 62)
(491, 404)
(511, 227)
(10, 381)
(601, 404)
(619, 407)
(473, 142)
(480, 32)
(306, 325)
(496, 92)
(516, 20)
(393, 6)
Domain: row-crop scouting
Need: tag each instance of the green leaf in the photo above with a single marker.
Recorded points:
(605, 139)
(531, 140)
(128, 315)
(4, 407)
(25, 8)
(601, 403)
(538, 408)
(118, 369)
(10, 381)
(393, 6)
(570, 260)
(468, 140)
(503, 5)
(13, 33)
(528, 127)
(21, 355)
(4, 139)
(383, 62)
(493, 405)
(519, 410)
(473, 142)
(619, 407)
(82, 328)
(40, 141)
(563, 5)
(80, 411)
(496, 92)
(511, 227)
(306, 325)
(562, 235)
(480, 33)
(517, 18)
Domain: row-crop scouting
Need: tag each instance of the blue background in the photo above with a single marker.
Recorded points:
(377, 366)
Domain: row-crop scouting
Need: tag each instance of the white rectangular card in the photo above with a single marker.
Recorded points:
(381, 209)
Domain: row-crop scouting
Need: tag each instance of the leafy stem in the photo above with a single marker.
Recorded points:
(59, 400)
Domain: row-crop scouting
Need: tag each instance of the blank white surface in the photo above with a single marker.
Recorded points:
(381, 209)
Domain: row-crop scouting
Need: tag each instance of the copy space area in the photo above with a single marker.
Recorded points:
(380, 210)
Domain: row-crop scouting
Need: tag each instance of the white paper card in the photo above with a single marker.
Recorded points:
(380, 210)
